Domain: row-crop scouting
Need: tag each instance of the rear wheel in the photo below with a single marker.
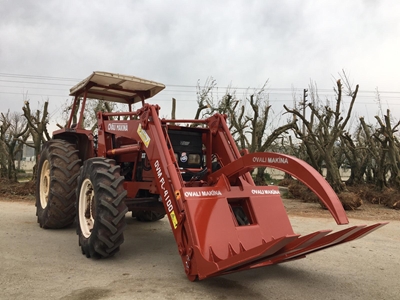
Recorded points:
(100, 208)
(57, 172)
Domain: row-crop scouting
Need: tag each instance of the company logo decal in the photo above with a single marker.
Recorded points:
(184, 157)
(271, 160)
(265, 192)
(203, 193)
(118, 126)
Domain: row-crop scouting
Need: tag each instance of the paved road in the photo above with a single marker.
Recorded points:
(48, 264)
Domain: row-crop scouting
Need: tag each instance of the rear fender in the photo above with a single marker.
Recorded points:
(83, 139)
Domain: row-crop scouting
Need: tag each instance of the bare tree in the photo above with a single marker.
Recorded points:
(204, 96)
(13, 133)
(37, 123)
(263, 135)
(385, 135)
(92, 107)
(357, 155)
(324, 127)
(374, 173)
(248, 119)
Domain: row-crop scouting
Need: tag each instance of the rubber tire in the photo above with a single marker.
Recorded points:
(108, 208)
(55, 189)
(148, 216)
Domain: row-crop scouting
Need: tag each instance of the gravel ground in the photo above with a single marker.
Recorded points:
(48, 264)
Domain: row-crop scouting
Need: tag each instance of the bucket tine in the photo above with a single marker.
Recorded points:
(363, 232)
(330, 240)
(305, 241)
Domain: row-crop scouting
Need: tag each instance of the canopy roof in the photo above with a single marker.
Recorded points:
(116, 88)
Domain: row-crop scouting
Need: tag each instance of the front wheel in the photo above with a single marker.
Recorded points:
(100, 208)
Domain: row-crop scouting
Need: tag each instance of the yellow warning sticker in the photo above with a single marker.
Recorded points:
(143, 135)
(173, 219)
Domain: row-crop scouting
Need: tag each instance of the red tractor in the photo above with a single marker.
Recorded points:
(135, 161)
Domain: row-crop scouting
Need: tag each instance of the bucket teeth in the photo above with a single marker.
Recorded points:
(231, 251)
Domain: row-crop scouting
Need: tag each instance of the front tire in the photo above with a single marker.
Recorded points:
(100, 208)
(57, 171)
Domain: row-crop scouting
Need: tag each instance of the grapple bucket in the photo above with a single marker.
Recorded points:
(241, 226)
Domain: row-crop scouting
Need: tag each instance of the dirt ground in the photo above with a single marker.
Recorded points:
(50, 265)
(148, 266)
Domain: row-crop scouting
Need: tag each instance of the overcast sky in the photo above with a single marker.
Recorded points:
(242, 43)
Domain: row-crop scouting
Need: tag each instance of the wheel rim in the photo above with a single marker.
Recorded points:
(86, 208)
(44, 184)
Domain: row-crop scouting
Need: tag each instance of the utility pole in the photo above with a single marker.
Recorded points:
(305, 91)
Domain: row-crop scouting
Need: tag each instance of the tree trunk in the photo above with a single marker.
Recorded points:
(333, 176)
(259, 179)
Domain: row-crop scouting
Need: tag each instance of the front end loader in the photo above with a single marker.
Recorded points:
(194, 174)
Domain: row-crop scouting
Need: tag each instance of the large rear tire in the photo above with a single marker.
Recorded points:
(100, 208)
(57, 173)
